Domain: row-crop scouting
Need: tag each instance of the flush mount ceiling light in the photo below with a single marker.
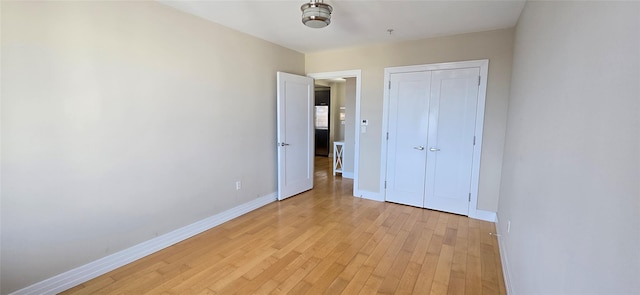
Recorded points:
(316, 14)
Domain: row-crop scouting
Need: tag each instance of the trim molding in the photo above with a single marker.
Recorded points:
(347, 175)
(483, 215)
(503, 258)
(370, 195)
(106, 264)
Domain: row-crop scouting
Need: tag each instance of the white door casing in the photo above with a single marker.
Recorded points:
(295, 134)
(447, 151)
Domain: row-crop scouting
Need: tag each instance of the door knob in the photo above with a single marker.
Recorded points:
(434, 149)
(420, 148)
(283, 144)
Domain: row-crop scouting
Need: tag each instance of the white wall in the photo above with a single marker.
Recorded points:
(570, 180)
(122, 121)
(493, 45)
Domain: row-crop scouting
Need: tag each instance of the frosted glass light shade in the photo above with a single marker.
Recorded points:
(316, 14)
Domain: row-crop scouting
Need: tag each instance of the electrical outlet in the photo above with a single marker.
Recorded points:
(238, 185)
(508, 226)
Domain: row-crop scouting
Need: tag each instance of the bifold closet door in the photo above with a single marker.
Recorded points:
(408, 128)
(431, 128)
(452, 118)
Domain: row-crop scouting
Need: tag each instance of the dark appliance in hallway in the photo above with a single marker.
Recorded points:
(322, 112)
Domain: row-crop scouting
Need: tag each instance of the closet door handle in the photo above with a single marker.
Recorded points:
(434, 149)
(420, 148)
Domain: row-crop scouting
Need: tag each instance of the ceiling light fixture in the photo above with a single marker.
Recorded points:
(316, 14)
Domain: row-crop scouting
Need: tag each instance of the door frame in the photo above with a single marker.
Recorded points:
(483, 64)
(356, 149)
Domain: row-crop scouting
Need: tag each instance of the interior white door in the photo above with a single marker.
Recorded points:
(452, 122)
(295, 134)
(407, 137)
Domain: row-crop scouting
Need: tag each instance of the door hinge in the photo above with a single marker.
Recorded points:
(389, 84)
(474, 140)
(385, 184)
(387, 135)
(479, 77)
(469, 197)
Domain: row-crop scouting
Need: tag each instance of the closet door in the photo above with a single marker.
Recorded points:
(430, 141)
(452, 118)
(407, 137)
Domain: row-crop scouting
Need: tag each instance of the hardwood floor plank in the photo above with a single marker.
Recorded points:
(343, 279)
(323, 241)
(395, 273)
(301, 288)
(358, 281)
(409, 278)
(292, 281)
(267, 287)
(443, 270)
(336, 286)
(427, 272)
(473, 277)
(322, 282)
(422, 245)
(353, 248)
(241, 269)
(441, 225)
(457, 279)
(371, 285)
(386, 261)
(265, 274)
(325, 265)
(97, 284)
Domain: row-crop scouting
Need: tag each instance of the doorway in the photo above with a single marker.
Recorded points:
(344, 119)
(322, 120)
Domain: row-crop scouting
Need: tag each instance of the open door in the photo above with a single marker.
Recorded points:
(295, 134)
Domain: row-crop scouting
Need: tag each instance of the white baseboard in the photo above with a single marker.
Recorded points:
(483, 215)
(106, 264)
(503, 258)
(347, 175)
(476, 214)
(370, 195)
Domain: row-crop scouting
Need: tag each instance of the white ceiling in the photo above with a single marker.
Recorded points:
(355, 22)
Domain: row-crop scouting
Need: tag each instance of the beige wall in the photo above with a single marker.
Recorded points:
(337, 100)
(493, 45)
(122, 121)
(336, 131)
(571, 171)
(349, 126)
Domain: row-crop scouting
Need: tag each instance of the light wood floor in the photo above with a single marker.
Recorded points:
(322, 241)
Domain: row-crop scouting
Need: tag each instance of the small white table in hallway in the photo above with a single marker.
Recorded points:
(338, 147)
